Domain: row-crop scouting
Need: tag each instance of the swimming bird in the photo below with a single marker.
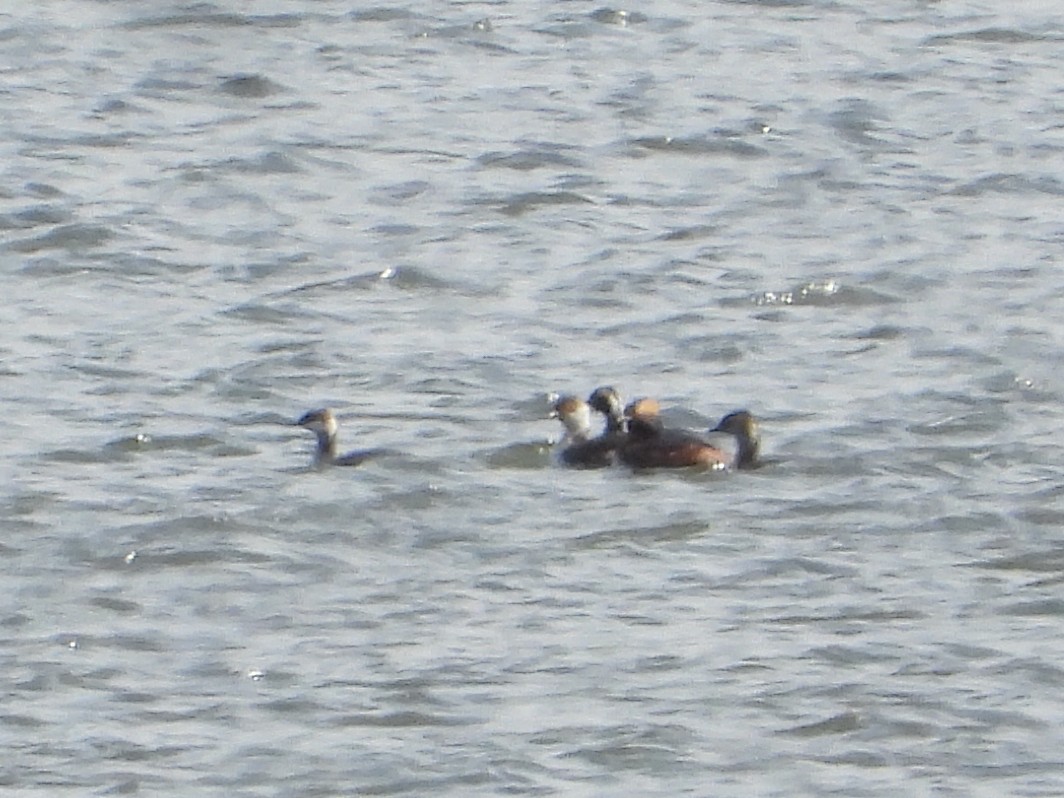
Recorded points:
(607, 401)
(651, 445)
(578, 449)
(323, 424)
(742, 425)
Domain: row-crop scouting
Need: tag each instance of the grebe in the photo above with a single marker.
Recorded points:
(578, 448)
(650, 445)
(607, 401)
(323, 424)
(742, 425)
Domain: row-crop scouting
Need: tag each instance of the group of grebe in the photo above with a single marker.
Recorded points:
(633, 435)
(636, 436)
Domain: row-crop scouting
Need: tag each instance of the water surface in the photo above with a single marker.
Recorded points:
(214, 217)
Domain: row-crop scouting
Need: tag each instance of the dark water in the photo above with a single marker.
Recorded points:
(843, 216)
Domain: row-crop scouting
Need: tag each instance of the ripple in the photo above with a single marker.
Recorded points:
(118, 606)
(212, 19)
(843, 723)
(665, 533)
(824, 293)
(404, 278)
(35, 216)
(612, 16)
(249, 87)
(399, 193)
(383, 14)
(520, 456)
(399, 720)
(995, 36)
(1046, 561)
(149, 443)
(537, 155)
(268, 163)
(65, 237)
(1035, 609)
(1004, 183)
(520, 204)
(701, 145)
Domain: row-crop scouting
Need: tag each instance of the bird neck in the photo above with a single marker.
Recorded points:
(576, 432)
(749, 449)
(326, 446)
(642, 427)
